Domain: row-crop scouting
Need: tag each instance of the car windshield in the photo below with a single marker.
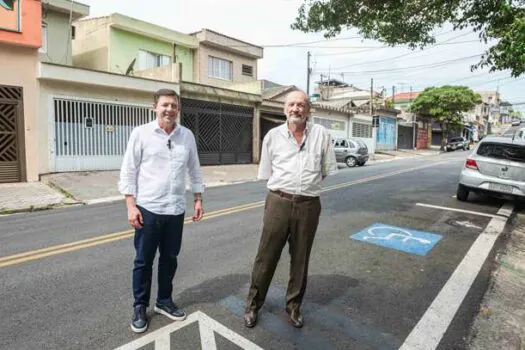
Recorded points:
(456, 139)
(502, 151)
(361, 143)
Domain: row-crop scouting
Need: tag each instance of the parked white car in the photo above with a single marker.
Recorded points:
(496, 166)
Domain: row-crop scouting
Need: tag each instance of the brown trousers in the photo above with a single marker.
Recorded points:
(284, 220)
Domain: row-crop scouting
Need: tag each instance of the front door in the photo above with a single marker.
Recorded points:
(10, 128)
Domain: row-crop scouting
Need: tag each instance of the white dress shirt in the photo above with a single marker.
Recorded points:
(154, 168)
(297, 168)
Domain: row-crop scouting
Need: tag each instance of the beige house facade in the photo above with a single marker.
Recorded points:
(224, 61)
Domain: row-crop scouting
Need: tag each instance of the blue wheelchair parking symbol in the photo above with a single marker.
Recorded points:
(406, 240)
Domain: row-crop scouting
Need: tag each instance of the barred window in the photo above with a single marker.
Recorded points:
(331, 124)
(362, 130)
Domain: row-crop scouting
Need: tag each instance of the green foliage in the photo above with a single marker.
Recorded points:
(412, 22)
(446, 104)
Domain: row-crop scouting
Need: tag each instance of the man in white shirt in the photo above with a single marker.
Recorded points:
(295, 158)
(152, 178)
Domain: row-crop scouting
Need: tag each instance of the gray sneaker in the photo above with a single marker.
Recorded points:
(170, 310)
(139, 322)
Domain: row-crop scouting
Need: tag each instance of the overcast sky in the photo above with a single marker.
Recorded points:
(267, 23)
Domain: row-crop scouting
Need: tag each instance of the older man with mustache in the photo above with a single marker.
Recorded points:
(295, 158)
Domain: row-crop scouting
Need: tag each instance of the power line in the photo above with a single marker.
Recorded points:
(428, 65)
(309, 42)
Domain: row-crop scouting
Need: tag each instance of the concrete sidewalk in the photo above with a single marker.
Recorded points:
(80, 188)
(500, 323)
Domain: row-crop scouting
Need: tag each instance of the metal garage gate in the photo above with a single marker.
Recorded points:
(223, 132)
(11, 121)
(405, 137)
(92, 135)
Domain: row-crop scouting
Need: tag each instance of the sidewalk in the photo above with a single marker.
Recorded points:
(81, 188)
(500, 323)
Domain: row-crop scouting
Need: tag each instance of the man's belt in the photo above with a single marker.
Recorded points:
(292, 197)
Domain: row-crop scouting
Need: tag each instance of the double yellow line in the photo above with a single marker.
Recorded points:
(91, 242)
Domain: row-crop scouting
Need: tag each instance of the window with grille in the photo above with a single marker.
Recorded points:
(219, 68)
(331, 124)
(247, 70)
(147, 60)
(362, 130)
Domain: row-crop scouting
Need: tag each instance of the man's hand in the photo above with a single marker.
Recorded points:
(198, 212)
(135, 217)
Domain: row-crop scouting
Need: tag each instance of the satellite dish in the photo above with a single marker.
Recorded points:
(130, 68)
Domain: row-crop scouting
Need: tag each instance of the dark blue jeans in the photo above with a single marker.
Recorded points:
(165, 233)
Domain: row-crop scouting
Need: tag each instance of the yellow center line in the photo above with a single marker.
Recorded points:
(91, 242)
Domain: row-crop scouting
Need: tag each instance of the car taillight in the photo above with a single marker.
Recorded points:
(471, 164)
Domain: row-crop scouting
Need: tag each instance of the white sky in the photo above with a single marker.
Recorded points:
(266, 23)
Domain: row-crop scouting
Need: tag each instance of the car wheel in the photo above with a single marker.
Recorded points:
(462, 193)
(350, 162)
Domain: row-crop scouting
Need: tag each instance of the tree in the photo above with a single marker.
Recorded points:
(412, 22)
(445, 105)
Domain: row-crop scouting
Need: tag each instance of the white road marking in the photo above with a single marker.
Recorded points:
(207, 329)
(432, 326)
(468, 224)
(504, 214)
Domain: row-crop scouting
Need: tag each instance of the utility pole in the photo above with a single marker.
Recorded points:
(372, 97)
(414, 124)
(393, 94)
(308, 72)
(375, 123)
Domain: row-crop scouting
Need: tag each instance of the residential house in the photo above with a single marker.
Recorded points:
(85, 116)
(272, 109)
(387, 129)
(129, 46)
(205, 64)
(336, 90)
(505, 110)
(414, 131)
(362, 103)
(403, 100)
(57, 29)
(224, 61)
(20, 40)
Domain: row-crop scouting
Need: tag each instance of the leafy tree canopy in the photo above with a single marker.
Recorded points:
(412, 22)
(446, 104)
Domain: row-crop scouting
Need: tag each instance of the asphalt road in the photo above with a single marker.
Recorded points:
(59, 293)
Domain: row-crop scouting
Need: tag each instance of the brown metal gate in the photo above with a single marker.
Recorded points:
(223, 132)
(10, 129)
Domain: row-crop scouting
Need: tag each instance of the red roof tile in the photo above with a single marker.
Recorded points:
(406, 96)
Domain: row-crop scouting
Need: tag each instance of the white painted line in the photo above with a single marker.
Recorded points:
(432, 326)
(207, 337)
(461, 210)
(104, 200)
(207, 329)
(158, 334)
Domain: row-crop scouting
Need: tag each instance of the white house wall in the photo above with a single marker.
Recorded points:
(363, 120)
(337, 123)
(82, 155)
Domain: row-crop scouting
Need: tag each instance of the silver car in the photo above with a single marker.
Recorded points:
(352, 152)
(495, 166)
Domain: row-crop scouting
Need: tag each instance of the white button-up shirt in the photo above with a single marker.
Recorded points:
(154, 168)
(296, 169)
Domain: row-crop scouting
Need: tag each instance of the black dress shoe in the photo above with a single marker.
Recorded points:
(250, 319)
(296, 319)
